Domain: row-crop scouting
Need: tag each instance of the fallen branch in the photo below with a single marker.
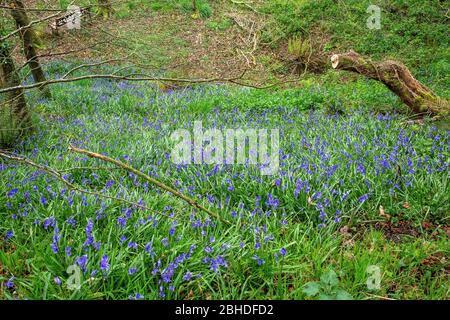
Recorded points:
(131, 77)
(398, 79)
(153, 181)
(58, 175)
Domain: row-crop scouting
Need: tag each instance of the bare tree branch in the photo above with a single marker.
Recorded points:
(153, 181)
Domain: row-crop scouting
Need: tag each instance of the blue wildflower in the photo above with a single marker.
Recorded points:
(104, 265)
(9, 234)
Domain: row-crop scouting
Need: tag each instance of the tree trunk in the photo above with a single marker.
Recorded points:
(20, 17)
(397, 77)
(13, 103)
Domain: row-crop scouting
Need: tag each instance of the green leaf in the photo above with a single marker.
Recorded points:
(324, 296)
(329, 278)
(311, 289)
(343, 295)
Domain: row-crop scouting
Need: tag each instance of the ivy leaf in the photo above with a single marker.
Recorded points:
(343, 295)
(329, 278)
(311, 289)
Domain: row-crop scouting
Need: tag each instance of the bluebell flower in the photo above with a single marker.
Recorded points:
(137, 296)
(9, 234)
(272, 201)
(10, 283)
(209, 249)
(82, 262)
(363, 198)
(149, 249)
(132, 245)
(49, 222)
(43, 200)
(187, 276)
(12, 193)
(55, 240)
(104, 265)
(132, 271)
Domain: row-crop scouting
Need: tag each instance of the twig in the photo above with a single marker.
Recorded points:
(6, 155)
(117, 77)
(153, 181)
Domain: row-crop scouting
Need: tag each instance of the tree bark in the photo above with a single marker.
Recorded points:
(14, 102)
(396, 76)
(20, 17)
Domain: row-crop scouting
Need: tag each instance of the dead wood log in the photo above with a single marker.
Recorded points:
(396, 76)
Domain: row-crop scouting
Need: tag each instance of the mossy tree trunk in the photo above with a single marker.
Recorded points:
(396, 76)
(20, 17)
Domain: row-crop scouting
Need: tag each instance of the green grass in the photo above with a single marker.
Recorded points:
(413, 31)
(133, 122)
(339, 132)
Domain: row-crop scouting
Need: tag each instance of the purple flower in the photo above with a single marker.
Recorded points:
(49, 222)
(43, 200)
(12, 192)
(9, 234)
(259, 260)
(137, 296)
(71, 221)
(57, 281)
(209, 249)
(272, 201)
(10, 283)
(360, 168)
(55, 241)
(68, 251)
(122, 221)
(132, 271)
(165, 242)
(132, 245)
(187, 276)
(104, 265)
(166, 274)
(109, 184)
(217, 262)
(89, 237)
(82, 262)
(363, 198)
(149, 249)
(283, 251)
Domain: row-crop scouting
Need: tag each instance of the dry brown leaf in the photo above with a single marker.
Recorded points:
(189, 296)
(406, 205)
